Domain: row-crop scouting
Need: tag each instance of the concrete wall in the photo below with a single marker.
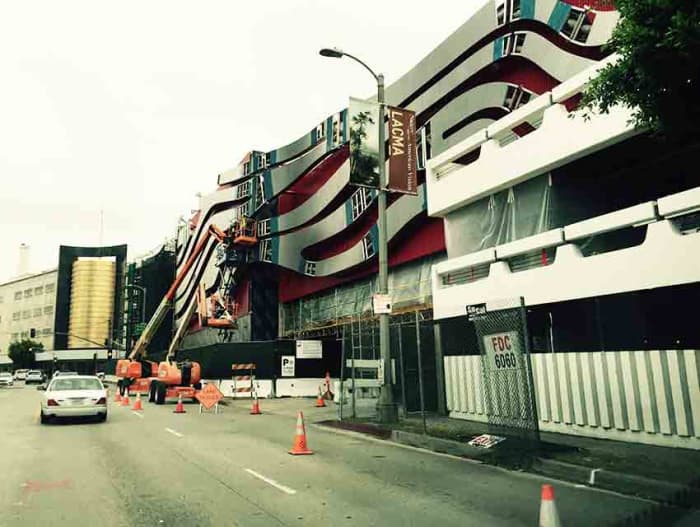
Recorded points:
(640, 396)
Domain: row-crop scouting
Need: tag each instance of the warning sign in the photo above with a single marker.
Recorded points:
(209, 396)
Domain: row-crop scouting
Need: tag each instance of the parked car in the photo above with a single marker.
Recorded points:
(74, 396)
(34, 376)
(20, 375)
(6, 379)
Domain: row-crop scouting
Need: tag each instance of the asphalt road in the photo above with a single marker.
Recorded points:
(166, 469)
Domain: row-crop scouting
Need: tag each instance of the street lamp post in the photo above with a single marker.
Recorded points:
(387, 411)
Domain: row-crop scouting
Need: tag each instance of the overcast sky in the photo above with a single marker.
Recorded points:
(132, 107)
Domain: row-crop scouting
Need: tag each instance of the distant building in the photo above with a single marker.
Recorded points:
(28, 302)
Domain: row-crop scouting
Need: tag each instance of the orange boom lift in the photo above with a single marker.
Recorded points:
(167, 379)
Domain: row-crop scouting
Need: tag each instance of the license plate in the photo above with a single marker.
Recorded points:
(77, 402)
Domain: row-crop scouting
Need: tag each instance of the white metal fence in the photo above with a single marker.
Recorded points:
(641, 396)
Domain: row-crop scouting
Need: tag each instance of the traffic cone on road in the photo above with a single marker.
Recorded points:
(256, 407)
(179, 408)
(125, 399)
(300, 448)
(319, 400)
(548, 510)
(329, 394)
(137, 403)
(117, 397)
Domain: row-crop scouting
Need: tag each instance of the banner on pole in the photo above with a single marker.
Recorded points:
(402, 172)
(363, 123)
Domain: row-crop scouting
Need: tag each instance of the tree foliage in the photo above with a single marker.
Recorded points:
(22, 353)
(658, 74)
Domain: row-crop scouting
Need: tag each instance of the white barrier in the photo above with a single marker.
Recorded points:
(299, 387)
(263, 387)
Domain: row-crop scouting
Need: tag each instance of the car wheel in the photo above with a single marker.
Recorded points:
(102, 417)
(160, 393)
(44, 419)
(152, 392)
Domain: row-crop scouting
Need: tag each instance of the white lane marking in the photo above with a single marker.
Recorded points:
(271, 482)
(138, 414)
(178, 434)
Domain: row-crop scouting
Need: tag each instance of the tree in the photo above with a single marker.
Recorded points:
(658, 74)
(22, 353)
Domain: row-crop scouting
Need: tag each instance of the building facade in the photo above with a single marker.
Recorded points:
(311, 270)
(28, 302)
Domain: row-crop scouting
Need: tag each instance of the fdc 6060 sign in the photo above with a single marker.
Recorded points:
(502, 350)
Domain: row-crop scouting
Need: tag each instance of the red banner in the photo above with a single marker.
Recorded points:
(402, 172)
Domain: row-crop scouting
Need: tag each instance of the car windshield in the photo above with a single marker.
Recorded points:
(34, 373)
(75, 384)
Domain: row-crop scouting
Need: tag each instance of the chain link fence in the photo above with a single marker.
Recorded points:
(507, 374)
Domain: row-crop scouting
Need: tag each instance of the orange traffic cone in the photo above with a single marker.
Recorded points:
(117, 397)
(179, 408)
(300, 448)
(329, 394)
(319, 400)
(125, 399)
(137, 403)
(256, 406)
(548, 510)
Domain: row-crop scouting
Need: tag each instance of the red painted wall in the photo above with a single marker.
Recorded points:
(423, 239)
(304, 187)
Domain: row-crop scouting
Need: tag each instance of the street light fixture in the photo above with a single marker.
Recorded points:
(387, 411)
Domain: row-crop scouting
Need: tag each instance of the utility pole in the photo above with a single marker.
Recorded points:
(387, 409)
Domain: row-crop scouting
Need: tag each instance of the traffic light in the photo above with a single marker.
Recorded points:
(32, 333)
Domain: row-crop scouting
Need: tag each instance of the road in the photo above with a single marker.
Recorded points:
(166, 469)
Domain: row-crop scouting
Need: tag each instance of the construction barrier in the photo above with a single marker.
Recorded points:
(243, 383)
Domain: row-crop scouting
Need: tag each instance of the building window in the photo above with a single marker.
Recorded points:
(367, 247)
(243, 190)
(514, 10)
(515, 97)
(263, 227)
(268, 159)
(310, 269)
(49, 288)
(28, 293)
(360, 200)
(513, 43)
(48, 310)
(578, 26)
(507, 11)
(39, 290)
(265, 254)
(18, 295)
(246, 168)
(320, 131)
(16, 315)
(37, 311)
(501, 12)
(26, 314)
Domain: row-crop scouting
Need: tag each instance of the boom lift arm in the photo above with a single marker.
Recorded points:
(139, 349)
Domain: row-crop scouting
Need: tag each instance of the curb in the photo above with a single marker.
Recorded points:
(666, 492)
(446, 446)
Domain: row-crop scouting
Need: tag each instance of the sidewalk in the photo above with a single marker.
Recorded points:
(667, 475)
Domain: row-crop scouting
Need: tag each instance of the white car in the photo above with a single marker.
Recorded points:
(34, 376)
(74, 396)
(20, 375)
(6, 379)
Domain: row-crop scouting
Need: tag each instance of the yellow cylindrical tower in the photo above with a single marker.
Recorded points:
(91, 301)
